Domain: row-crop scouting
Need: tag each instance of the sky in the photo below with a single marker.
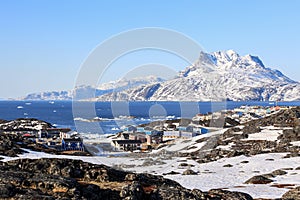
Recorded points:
(44, 43)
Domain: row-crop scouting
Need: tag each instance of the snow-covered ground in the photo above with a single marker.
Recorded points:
(210, 175)
(188, 146)
(265, 134)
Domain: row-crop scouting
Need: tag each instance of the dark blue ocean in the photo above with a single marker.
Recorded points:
(107, 117)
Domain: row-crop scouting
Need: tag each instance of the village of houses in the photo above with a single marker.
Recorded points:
(150, 136)
(145, 137)
(60, 139)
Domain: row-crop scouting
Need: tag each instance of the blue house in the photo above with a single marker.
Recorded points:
(204, 130)
(72, 144)
(187, 134)
(185, 128)
(140, 129)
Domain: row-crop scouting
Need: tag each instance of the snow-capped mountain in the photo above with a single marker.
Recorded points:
(127, 83)
(222, 75)
(85, 92)
(53, 95)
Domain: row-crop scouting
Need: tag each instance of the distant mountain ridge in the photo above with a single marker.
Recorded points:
(82, 91)
(221, 75)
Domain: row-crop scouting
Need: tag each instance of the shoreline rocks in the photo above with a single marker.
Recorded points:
(24, 124)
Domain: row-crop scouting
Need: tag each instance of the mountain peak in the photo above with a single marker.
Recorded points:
(256, 59)
(223, 57)
(227, 59)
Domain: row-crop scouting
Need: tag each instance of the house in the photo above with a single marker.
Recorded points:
(72, 144)
(129, 129)
(127, 145)
(140, 129)
(172, 134)
(155, 138)
(124, 136)
(199, 130)
(186, 128)
(171, 127)
(41, 134)
(51, 144)
(186, 135)
(159, 128)
(56, 132)
(67, 134)
(138, 136)
(199, 117)
(204, 130)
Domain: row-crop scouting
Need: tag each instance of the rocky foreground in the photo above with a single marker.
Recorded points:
(74, 179)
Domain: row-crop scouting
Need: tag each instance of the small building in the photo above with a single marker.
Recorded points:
(56, 132)
(72, 144)
(138, 136)
(140, 129)
(68, 134)
(199, 117)
(204, 130)
(155, 138)
(186, 128)
(124, 136)
(129, 129)
(187, 135)
(172, 134)
(127, 145)
(52, 144)
(171, 127)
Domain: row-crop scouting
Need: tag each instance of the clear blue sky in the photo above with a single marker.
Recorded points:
(43, 43)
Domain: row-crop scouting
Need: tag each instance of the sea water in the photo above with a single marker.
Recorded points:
(109, 117)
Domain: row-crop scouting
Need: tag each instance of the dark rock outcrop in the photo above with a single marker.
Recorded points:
(23, 124)
(229, 195)
(251, 129)
(260, 179)
(235, 137)
(189, 172)
(10, 144)
(292, 194)
(75, 179)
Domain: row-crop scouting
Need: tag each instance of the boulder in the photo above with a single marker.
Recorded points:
(260, 179)
(293, 194)
(133, 191)
(228, 165)
(251, 129)
(229, 195)
(189, 172)
(278, 172)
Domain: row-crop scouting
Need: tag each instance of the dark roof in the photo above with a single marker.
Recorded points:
(127, 141)
(65, 130)
(72, 139)
(157, 134)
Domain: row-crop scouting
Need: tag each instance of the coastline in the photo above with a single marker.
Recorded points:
(224, 159)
